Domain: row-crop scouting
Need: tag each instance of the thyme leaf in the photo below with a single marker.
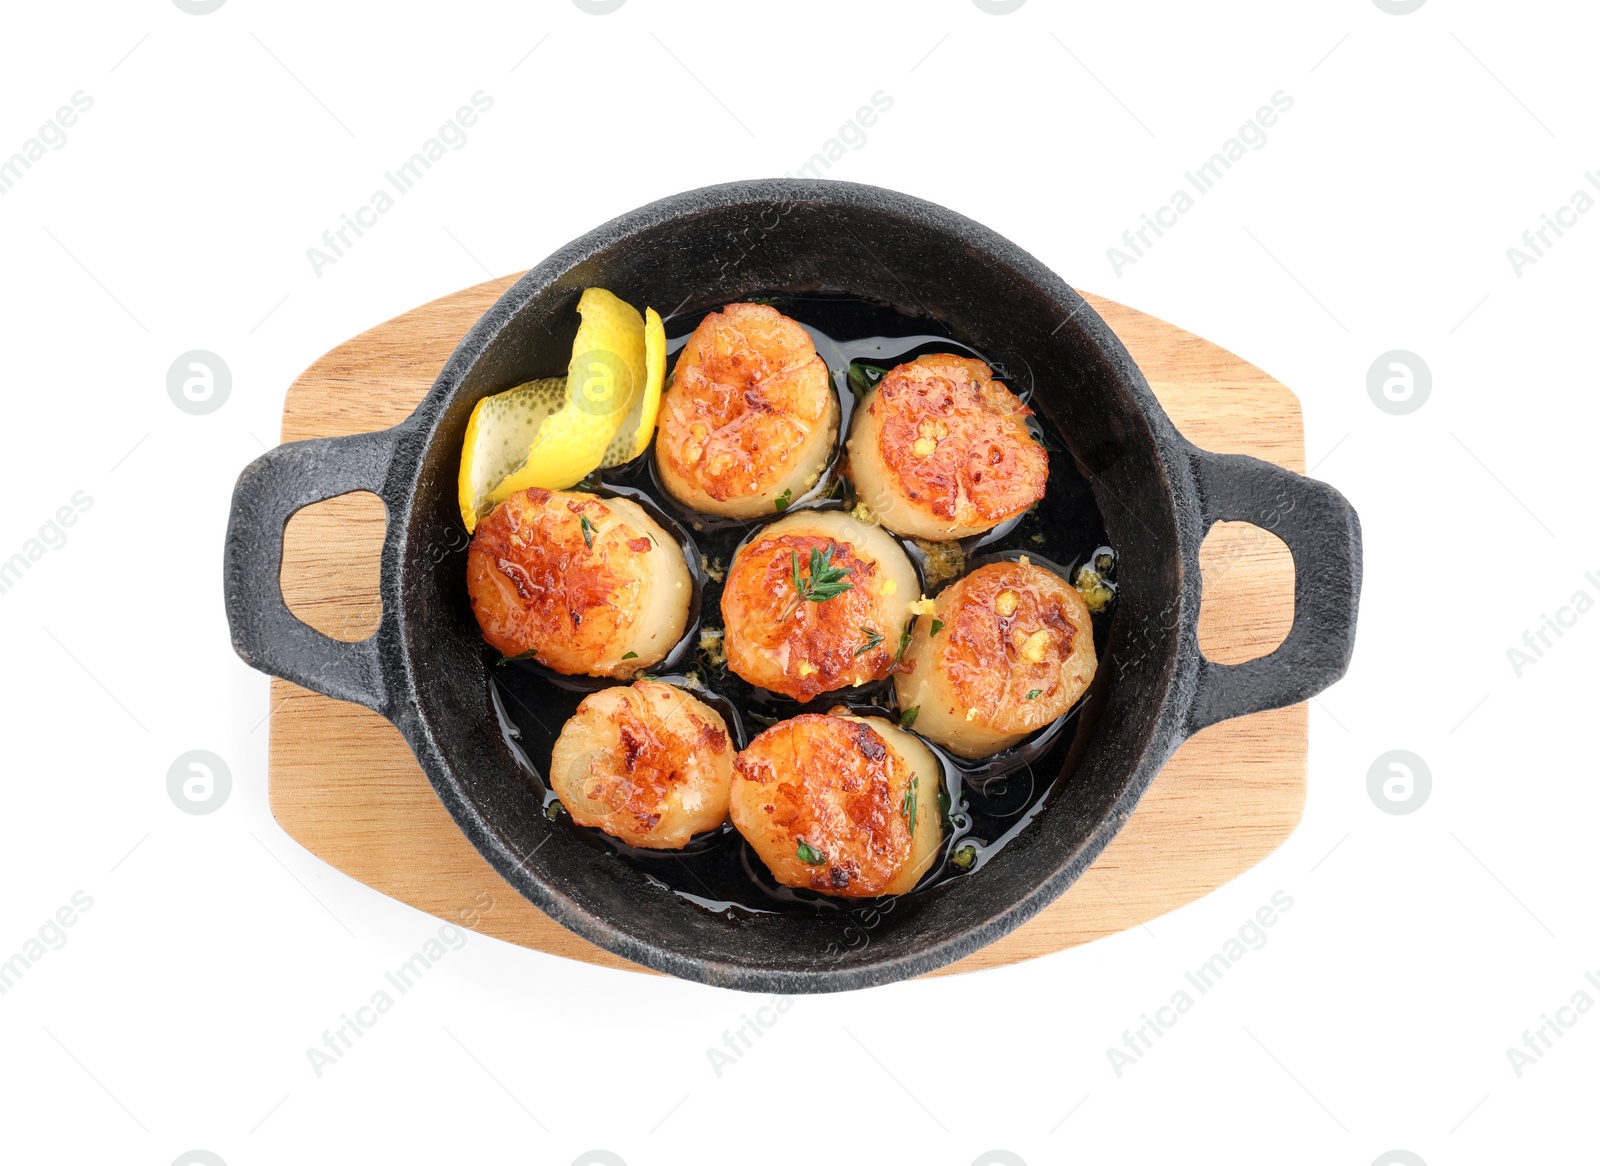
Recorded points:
(825, 581)
(863, 378)
(908, 804)
(905, 637)
(874, 638)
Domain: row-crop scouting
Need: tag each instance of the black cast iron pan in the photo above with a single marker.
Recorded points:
(1158, 495)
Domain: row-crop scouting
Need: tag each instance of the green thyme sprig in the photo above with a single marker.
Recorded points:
(908, 804)
(905, 637)
(825, 580)
(863, 377)
(874, 639)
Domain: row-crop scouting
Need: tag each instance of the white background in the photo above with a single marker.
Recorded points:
(1378, 215)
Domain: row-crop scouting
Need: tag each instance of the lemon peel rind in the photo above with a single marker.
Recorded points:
(633, 436)
(499, 432)
(466, 494)
(655, 366)
(573, 443)
(555, 431)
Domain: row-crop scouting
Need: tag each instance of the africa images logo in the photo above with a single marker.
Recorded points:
(1399, 382)
(199, 382)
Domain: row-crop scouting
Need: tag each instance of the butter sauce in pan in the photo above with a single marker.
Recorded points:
(981, 802)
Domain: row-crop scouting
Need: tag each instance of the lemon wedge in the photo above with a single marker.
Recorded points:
(499, 433)
(553, 432)
(633, 438)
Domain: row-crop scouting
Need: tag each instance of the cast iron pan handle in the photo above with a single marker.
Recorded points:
(266, 634)
(1324, 536)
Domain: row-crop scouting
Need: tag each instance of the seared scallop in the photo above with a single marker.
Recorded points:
(816, 601)
(751, 416)
(941, 450)
(1013, 650)
(843, 805)
(582, 584)
(648, 764)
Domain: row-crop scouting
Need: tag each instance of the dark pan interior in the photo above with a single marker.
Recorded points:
(701, 251)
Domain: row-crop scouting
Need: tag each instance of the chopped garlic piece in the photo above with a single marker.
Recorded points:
(711, 644)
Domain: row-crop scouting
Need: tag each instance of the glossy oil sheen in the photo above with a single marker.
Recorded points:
(988, 802)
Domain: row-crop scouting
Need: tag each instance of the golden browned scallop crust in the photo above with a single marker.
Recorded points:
(602, 599)
(649, 764)
(941, 450)
(1016, 650)
(847, 788)
(751, 412)
(778, 640)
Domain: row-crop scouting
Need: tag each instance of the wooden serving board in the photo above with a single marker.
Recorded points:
(344, 784)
